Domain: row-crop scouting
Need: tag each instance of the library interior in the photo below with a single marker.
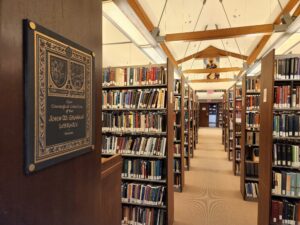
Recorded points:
(150, 112)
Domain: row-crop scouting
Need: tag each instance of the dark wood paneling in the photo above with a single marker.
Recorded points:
(265, 138)
(111, 191)
(204, 114)
(170, 143)
(67, 193)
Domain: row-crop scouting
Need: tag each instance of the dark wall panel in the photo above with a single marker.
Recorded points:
(67, 193)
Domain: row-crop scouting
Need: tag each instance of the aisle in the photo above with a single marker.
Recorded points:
(211, 195)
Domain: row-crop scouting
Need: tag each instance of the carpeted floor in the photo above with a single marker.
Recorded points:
(211, 195)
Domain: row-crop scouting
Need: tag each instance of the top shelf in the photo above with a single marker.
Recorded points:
(134, 87)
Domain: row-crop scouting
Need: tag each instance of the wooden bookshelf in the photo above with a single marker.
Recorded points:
(249, 156)
(224, 121)
(231, 119)
(237, 129)
(187, 134)
(167, 160)
(191, 118)
(220, 116)
(267, 140)
(179, 127)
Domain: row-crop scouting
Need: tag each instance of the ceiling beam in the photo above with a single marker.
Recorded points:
(140, 12)
(259, 47)
(216, 70)
(211, 52)
(211, 80)
(297, 12)
(221, 33)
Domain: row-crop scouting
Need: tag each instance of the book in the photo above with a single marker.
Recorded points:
(143, 169)
(133, 122)
(286, 125)
(134, 76)
(141, 215)
(143, 194)
(143, 146)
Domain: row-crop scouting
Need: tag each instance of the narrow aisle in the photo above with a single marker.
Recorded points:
(212, 193)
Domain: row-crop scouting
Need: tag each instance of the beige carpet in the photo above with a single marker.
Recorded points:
(211, 195)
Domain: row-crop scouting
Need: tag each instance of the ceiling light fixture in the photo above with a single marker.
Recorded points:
(121, 15)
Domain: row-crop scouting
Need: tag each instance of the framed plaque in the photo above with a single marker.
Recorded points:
(59, 99)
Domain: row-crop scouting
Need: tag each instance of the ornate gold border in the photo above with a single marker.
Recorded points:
(40, 100)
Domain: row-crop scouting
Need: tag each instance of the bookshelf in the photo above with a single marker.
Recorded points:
(191, 122)
(179, 134)
(195, 133)
(224, 121)
(237, 129)
(141, 128)
(279, 140)
(230, 119)
(220, 116)
(186, 126)
(197, 119)
(250, 138)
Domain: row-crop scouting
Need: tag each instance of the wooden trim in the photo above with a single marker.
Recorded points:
(297, 12)
(221, 33)
(110, 165)
(266, 138)
(140, 12)
(259, 47)
(211, 52)
(170, 144)
(211, 80)
(217, 70)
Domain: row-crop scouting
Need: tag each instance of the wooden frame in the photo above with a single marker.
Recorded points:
(181, 141)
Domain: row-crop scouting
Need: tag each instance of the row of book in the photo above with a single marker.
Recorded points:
(282, 96)
(238, 105)
(143, 194)
(177, 86)
(286, 183)
(238, 128)
(285, 212)
(251, 169)
(252, 120)
(252, 102)
(287, 69)
(177, 149)
(252, 138)
(177, 180)
(286, 97)
(177, 165)
(133, 121)
(142, 169)
(177, 103)
(252, 154)
(134, 99)
(134, 76)
(251, 189)
(252, 85)
(286, 125)
(238, 92)
(286, 155)
(144, 146)
(143, 216)
(177, 133)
